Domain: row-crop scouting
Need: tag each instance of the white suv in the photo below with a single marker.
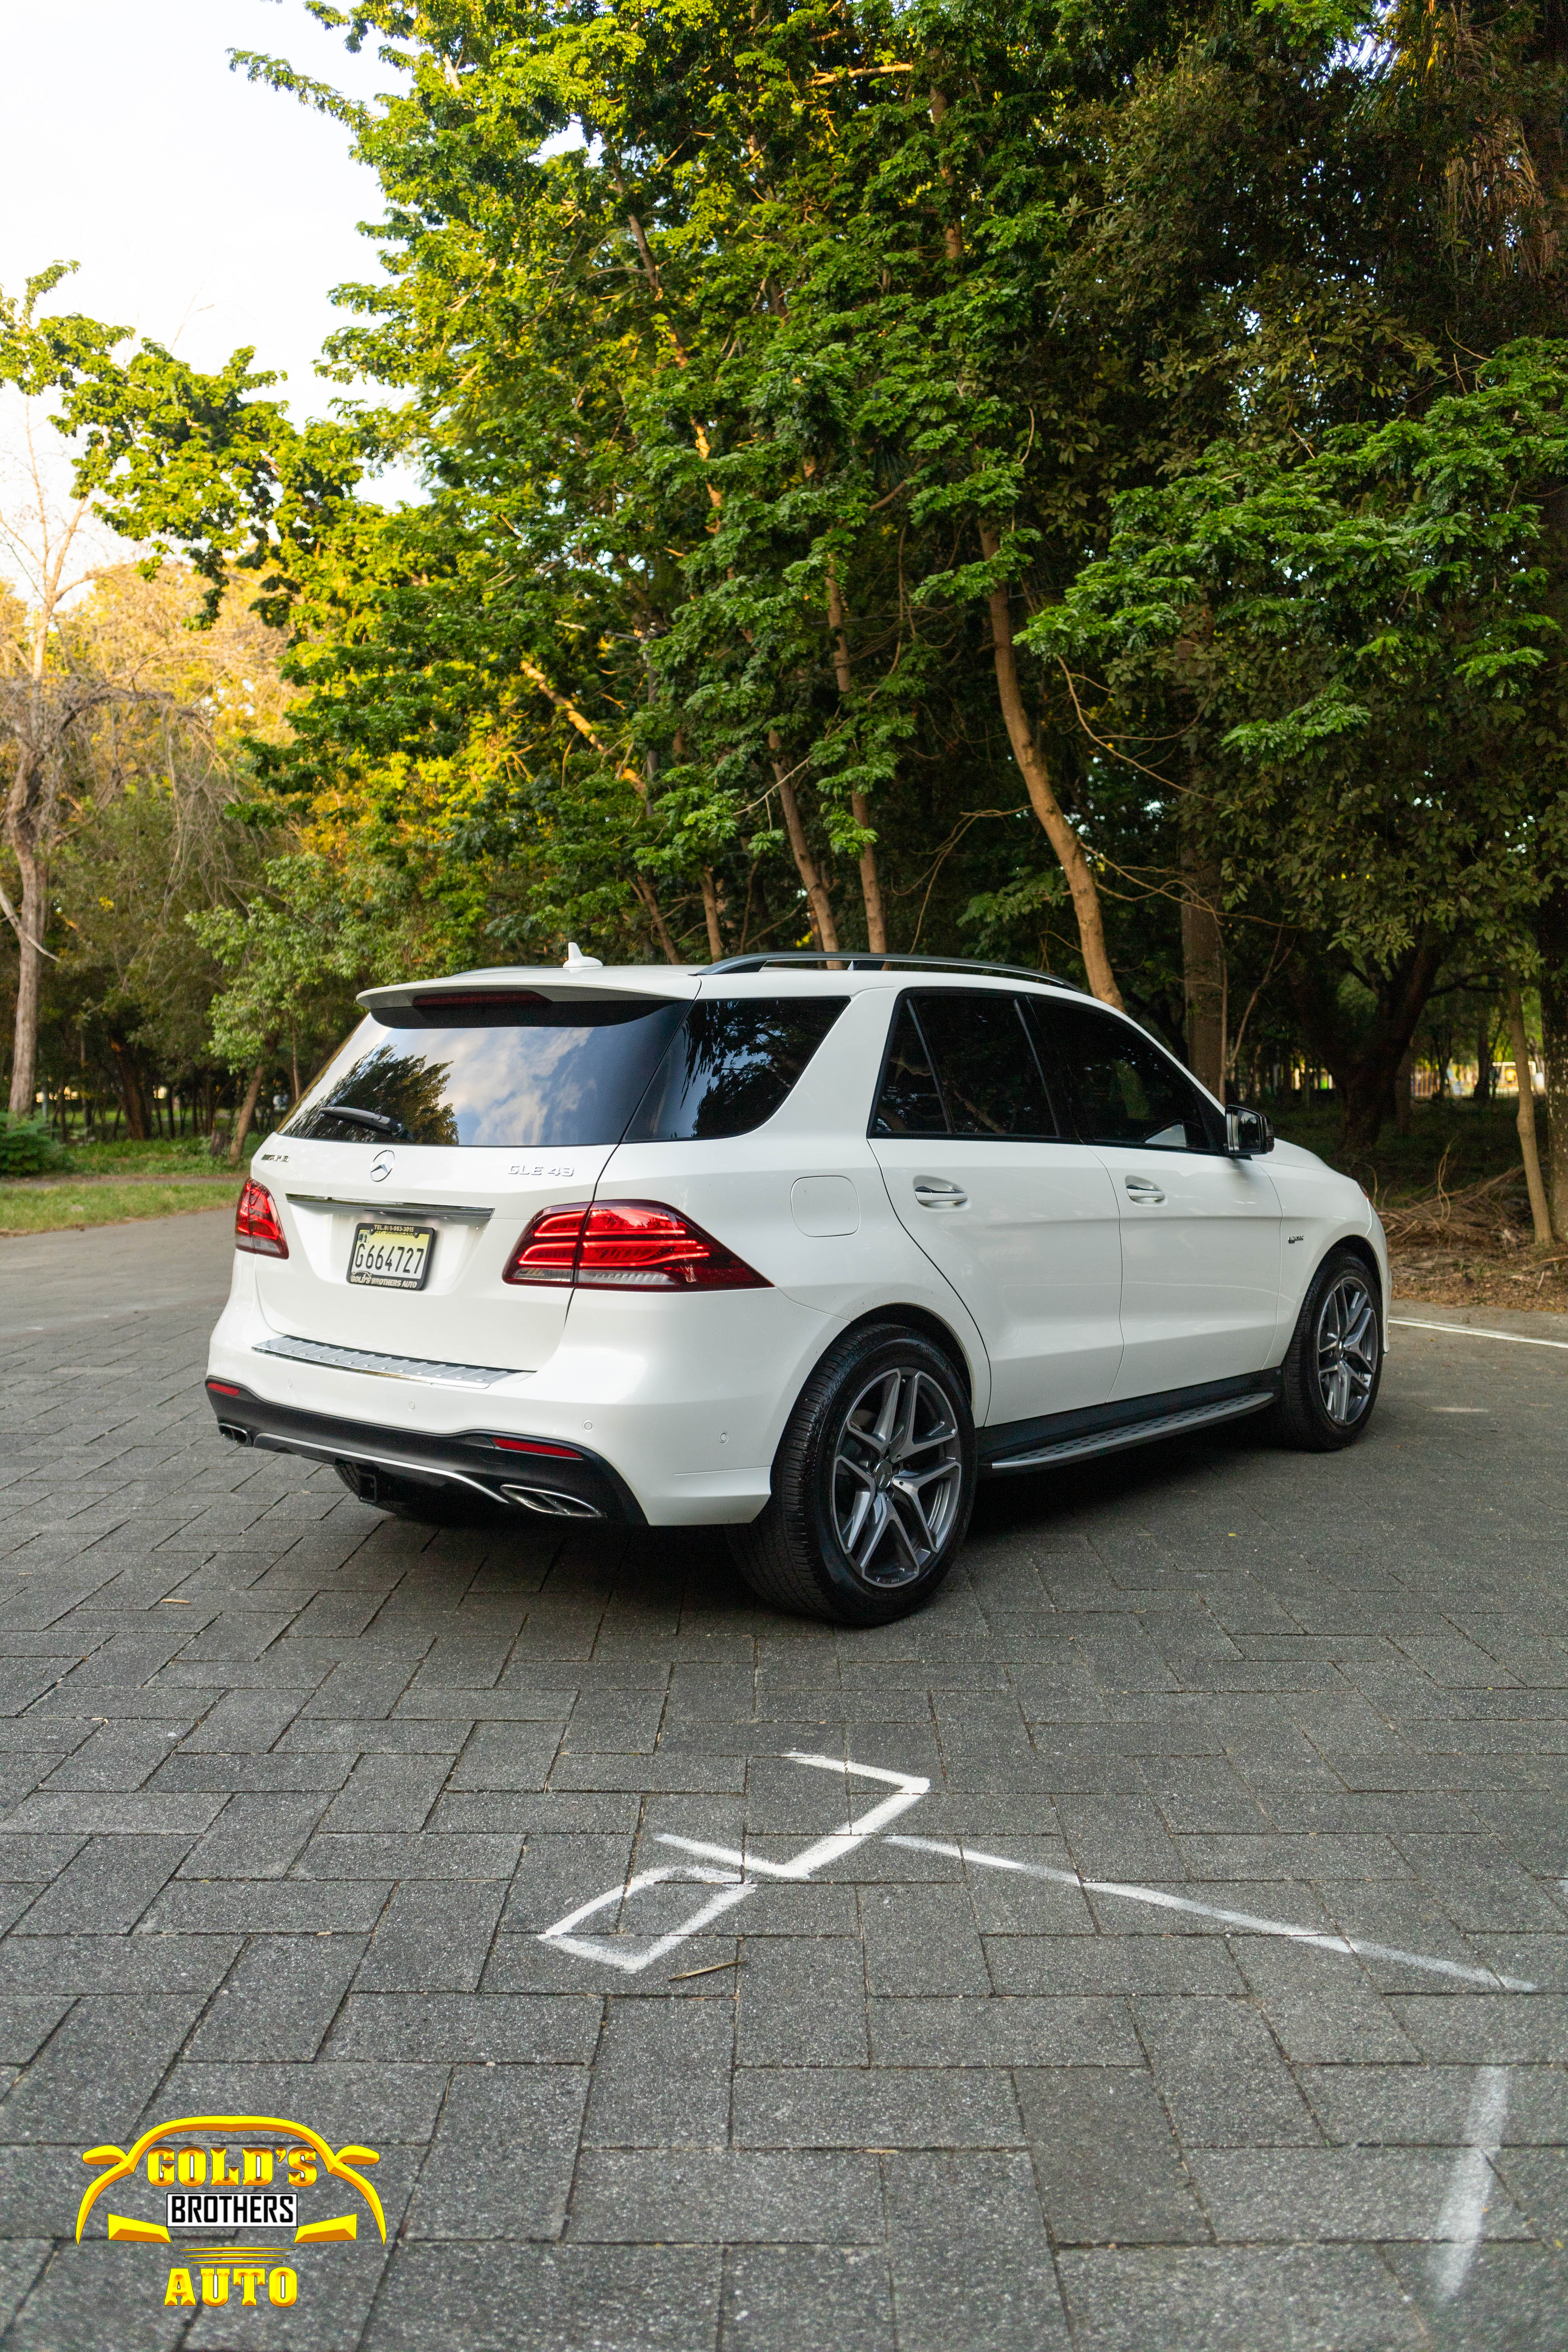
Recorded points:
(795, 1247)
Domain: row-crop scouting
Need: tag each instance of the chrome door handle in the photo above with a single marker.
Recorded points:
(936, 1192)
(1144, 1191)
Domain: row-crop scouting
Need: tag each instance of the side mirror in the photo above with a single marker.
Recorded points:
(1245, 1131)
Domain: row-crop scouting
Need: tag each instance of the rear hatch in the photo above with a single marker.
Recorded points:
(456, 1112)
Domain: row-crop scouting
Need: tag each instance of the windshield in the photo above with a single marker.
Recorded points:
(510, 1071)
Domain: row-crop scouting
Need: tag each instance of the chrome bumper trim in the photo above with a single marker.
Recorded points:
(456, 1216)
(389, 1367)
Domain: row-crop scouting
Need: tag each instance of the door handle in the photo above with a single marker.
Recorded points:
(1144, 1191)
(936, 1192)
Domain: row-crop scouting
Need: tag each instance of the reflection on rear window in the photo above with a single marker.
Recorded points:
(519, 1072)
(733, 1066)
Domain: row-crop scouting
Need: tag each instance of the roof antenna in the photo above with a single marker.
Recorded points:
(577, 961)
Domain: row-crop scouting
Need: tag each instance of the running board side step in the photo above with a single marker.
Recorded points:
(1128, 1434)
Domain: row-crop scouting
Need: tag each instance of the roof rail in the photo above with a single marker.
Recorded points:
(854, 960)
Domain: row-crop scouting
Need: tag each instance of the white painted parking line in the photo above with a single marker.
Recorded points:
(1475, 1331)
(911, 1788)
(741, 1875)
(1245, 1920)
(642, 1956)
(740, 1872)
(1472, 2183)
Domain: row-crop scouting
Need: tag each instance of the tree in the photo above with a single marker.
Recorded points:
(1353, 641)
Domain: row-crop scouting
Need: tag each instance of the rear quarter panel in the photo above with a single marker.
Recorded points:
(742, 1190)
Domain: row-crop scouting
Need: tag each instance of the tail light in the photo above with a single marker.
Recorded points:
(626, 1245)
(548, 1250)
(255, 1225)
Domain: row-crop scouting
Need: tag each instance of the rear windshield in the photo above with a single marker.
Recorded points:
(733, 1065)
(520, 1073)
(516, 1072)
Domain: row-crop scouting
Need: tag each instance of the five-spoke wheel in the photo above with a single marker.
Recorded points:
(1330, 1377)
(898, 1476)
(1346, 1338)
(873, 1482)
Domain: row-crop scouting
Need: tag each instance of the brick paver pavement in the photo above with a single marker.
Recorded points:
(291, 1792)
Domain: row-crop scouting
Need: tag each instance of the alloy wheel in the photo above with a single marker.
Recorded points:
(1347, 1342)
(898, 1476)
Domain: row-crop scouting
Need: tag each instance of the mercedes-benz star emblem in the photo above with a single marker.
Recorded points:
(381, 1167)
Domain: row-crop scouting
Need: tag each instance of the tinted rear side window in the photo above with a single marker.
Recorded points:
(733, 1065)
(964, 1065)
(985, 1067)
(514, 1073)
(910, 1101)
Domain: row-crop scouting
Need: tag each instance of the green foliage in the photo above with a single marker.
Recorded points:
(1217, 340)
(310, 936)
(28, 1148)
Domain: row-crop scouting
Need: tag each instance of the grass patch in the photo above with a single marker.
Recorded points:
(1480, 1140)
(54, 1208)
(186, 1156)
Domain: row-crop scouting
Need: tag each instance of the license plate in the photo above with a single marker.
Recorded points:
(392, 1257)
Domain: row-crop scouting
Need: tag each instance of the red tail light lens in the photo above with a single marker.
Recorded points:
(626, 1246)
(638, 1246)
(255, 1225)
(548, 1250)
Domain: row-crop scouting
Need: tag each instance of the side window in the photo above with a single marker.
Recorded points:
(964, 1065)
(735, 1061)
(1124, 1089)
(985, 1065)
(909, 1103)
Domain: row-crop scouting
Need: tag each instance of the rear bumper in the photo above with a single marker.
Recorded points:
(384, 1465)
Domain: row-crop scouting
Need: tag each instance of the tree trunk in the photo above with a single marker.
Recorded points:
(1403, 1091)
(1363, 1068)
(1541, 1214)
(645, 890)
(128, 1081)
(816, 896)
(246, 1113)
(29, 974)
(860, 807)
(1484, 1067)
(1032, 765)
(1202, 966)
(1551, 938)
(710, 914)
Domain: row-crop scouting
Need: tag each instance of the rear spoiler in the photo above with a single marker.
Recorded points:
(624, 984)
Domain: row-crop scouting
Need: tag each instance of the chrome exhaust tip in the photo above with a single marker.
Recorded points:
(552, 1504)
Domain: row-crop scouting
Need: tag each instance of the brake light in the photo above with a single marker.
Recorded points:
(548, 1250)
(255, 1225)
(626, 1246)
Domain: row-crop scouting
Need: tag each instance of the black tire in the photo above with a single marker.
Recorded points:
(1333, 1366)
(841, 1536)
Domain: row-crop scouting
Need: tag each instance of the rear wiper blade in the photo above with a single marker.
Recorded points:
(378, 1119)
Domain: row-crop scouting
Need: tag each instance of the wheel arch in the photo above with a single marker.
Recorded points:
(1356, 1246)
(930, 1327)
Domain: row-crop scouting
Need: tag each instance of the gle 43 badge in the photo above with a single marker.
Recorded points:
(231, 2196)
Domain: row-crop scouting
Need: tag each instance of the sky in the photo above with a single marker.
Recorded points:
(205, 211)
